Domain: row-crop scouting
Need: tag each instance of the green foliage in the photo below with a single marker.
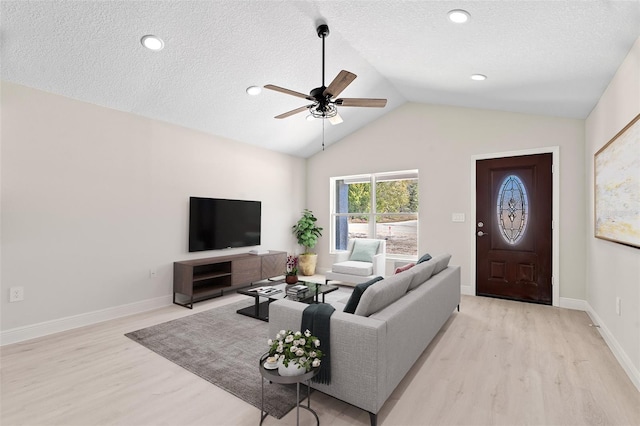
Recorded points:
(306, 231)
(399, 196)
(412, 188)
(392, 197)
(359, 198)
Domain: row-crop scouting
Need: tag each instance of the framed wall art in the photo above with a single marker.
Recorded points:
(617, 187)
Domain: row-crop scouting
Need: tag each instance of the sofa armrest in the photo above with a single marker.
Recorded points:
(379, 267)
(358, 353)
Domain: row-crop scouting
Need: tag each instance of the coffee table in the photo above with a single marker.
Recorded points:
(260, 309)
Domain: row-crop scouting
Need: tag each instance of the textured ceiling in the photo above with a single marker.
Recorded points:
(541, 57)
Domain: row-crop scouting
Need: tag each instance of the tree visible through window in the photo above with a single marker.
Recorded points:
(382, 205)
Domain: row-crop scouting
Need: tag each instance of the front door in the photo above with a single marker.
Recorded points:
(513, 228)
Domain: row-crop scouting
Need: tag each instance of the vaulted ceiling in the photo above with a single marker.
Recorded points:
(540, 57)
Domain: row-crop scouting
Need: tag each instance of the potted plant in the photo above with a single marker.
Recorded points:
(291, 276)
(307, 233)
(296, 352)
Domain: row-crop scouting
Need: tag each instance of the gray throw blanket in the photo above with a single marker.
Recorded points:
(317, 319)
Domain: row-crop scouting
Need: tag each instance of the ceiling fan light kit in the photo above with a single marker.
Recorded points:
(325, 98)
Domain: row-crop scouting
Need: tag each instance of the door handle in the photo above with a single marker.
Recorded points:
(481, 234)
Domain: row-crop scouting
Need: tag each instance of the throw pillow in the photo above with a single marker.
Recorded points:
(383, 294)
(442, 263)
(405, 267)
(358, 291)
(422, 273)
(364, 250)
(424, 258)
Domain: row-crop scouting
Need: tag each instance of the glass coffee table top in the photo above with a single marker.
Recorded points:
(260, 309)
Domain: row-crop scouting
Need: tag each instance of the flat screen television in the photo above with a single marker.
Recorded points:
(216, 223)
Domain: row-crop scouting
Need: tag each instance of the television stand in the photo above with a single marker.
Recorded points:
(201, 279)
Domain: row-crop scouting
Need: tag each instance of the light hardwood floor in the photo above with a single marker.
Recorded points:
(494, 363)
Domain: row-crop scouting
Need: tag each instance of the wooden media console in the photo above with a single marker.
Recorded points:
(201, 279)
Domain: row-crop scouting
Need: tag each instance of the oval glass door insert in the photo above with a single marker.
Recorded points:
(512, 209)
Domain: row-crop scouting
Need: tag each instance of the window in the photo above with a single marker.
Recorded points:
(512, 209)
(381, 205)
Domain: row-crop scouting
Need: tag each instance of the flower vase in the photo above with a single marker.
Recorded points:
(293, 369)
(291, 279)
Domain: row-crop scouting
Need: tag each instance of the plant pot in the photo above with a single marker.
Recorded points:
(307, 264)
(293, 369)
(291, 279)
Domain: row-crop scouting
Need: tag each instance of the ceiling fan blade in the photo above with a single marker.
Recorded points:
(342, 80)
(288, 92)
(336, 119)
(362, 102)
(294, 111)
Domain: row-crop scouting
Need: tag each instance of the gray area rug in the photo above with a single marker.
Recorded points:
(224, 348)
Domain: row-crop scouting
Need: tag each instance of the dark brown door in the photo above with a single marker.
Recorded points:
(513, 228)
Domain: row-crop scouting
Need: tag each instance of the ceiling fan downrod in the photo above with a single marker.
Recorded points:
(323, 32)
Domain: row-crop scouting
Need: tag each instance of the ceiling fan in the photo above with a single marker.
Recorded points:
(325, 98)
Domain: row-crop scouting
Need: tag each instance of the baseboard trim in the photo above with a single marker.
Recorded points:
(20, 334)
(618, 352)
(467, 290)
(575, 304)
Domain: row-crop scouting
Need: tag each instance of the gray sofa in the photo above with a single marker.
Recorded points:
(374, 348)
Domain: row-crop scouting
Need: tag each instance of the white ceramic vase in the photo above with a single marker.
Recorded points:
(293, 369)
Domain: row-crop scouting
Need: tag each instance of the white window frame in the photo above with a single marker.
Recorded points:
(372, 178)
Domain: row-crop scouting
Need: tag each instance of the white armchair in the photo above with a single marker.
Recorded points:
(352, 266)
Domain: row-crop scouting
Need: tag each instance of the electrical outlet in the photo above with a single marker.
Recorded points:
(16, 294)
(618, 306)
(153, 273)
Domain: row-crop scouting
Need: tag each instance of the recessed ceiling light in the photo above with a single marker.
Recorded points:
(310, 117)
(458, 16)
(152, 42)
(478, 77)
(254, 90)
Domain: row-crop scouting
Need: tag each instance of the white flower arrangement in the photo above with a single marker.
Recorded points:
(297, 347)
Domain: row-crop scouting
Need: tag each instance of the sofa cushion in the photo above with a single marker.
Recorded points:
(358, 291)
(383, 294)
(424, 258)
(442, 263)
(421, 273)
(404, 267)
(352, 267)
(364, 250)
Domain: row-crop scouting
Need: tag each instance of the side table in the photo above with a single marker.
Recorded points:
(273, 376)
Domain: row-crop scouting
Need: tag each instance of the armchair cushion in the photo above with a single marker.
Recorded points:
(352, 267)
(424, 258)
(353, 301)
(364, 250)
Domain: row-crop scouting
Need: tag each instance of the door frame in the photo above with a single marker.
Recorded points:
(555, 238)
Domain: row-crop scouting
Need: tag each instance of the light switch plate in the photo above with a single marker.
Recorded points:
(457, 217)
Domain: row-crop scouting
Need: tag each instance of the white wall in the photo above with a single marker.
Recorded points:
(440, 141)
(93, 198)
(613, 270)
